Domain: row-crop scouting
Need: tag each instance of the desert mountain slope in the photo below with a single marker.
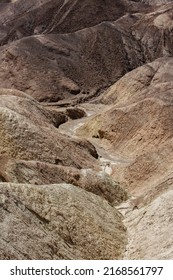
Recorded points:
(24, 18)
(86, 129)
(153, 80)
(139, 126)
(81, 64)
(26, 133)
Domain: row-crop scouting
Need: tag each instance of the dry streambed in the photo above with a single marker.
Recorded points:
(148, 224)
(106, 157)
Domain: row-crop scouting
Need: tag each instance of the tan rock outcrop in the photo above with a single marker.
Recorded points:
(57, 222)
(153, 80)
(39, 173)
(27, 132)
(149, 230)
(138, 128)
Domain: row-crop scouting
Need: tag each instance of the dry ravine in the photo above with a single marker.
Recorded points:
(147, 220)
(86, 129)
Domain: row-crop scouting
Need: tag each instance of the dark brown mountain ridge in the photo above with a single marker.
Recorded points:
(83, 63)
(51, 16)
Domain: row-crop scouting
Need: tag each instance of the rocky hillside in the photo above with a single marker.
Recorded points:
(86, 116)
(47, 64)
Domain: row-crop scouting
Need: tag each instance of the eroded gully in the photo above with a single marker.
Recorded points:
(107, 160)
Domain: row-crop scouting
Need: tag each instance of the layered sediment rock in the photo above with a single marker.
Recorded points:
(57, 222)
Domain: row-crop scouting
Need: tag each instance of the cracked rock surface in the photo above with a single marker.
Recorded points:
(57, 221)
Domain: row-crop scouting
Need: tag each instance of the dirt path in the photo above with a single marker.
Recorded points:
(69, 128)
(142, 222)
(107, 159)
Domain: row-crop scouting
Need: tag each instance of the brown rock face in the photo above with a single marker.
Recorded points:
(139, 126)
(53, 63)
(133, 127)
(57, 222)
(39, 173)
(27, 132)
(75, 113)
(25, 18)
(33, 151)
(65, 66)
(80, 65)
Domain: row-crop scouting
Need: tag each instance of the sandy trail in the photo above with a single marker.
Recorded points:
(107, 159)
(143, 222)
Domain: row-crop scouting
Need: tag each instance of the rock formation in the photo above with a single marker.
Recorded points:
(57, 222)
(86, 114)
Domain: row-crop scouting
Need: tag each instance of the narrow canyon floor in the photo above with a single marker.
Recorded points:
(148, 222)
